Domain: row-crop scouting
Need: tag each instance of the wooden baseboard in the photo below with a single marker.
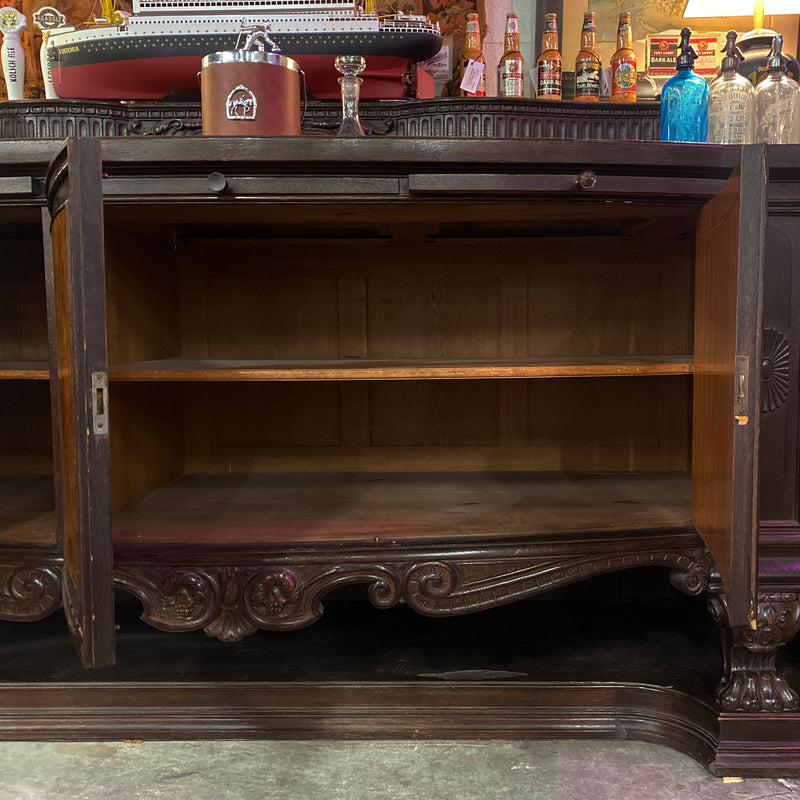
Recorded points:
(758, 745)
(391, 710)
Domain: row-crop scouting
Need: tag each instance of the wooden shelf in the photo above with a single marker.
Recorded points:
(24, 369)
(27, 510)
(197, 369)
(385, 509)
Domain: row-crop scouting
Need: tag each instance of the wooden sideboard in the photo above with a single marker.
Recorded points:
(458, 373)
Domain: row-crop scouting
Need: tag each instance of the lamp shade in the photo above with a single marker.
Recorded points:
(738, 8)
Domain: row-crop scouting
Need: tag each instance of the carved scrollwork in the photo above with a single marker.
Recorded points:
(71, 612)
(173, 599)
(442, 589)
(751, 681)
(331, 126)
(774, 370)
(691, 577)
(231, 603)
(166, 127)
(29, 593)
(426, 585)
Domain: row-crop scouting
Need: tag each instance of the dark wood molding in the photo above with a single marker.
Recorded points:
(764, 745)
(464, 710)
(488, 117)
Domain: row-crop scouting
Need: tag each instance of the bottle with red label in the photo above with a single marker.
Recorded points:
(623, 63)
(548, 65)
(511, 69)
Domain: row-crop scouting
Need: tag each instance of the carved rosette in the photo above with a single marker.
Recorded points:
(774, 370)
(186, 595)
(751, 681)
(29, 593)
(273, 596)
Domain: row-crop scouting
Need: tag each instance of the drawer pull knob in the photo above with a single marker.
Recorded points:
(217, 182)
(586, 180)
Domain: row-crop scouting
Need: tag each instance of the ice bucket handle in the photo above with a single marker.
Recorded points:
(258, 38)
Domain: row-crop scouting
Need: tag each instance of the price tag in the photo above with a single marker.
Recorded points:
(472, 76)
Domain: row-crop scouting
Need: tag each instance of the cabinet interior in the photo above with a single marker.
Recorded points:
(27, 505)
(390, 372)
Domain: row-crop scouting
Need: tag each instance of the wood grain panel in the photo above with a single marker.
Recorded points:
(347, 507)
(455, 250)
(375, 507)
(142, 312)
(596, 312)
(26, 441)
(726, 398)
(614, 423)
(79, 303)
(23, 318)
(27, 510)
(147, 445)
(600, 412)
(257, 315)
(414, 317)
(360, 369)
(423, 413)
(436, 458)
(274, 415)
(67, 468)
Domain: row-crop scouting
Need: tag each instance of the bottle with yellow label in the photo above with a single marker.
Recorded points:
(623, 63)
(511, 69)
(548, 65)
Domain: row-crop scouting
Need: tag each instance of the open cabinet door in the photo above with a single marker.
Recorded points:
(728, 301)
(77, 322)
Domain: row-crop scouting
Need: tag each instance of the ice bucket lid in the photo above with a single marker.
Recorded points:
(255, 56)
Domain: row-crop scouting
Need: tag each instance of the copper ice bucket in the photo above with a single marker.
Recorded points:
(250, 93)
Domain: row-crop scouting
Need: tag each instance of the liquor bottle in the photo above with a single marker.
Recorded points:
(469, 75)
(511, 69)
(684, 99)
(731, 101)
(777, 101)
(623, 63)
(473, 78)
(548, 65)
(587, 63)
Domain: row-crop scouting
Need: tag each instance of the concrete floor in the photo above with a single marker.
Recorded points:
(552, 770)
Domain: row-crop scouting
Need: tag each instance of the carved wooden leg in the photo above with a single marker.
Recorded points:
(751, 682)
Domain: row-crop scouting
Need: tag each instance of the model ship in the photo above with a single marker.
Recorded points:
(157, 51)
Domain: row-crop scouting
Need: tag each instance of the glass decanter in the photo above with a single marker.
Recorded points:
(350, 67)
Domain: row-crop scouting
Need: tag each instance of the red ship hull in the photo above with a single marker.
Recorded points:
(385, 78)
